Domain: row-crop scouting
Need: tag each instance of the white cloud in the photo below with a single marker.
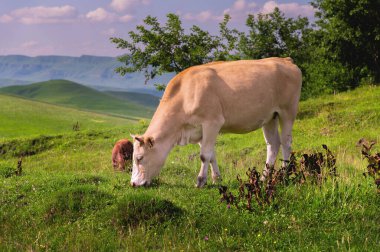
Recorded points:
(29, 44)
(6, 19)
(101, 15)
(240, 9)
(109, 32)
(290, 9)
(122, 5)
(42, 15)
(203, 16)
(126, 18)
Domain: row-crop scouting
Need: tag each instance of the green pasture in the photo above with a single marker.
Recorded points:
(68, 197)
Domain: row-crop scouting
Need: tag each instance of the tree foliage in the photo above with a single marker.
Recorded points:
(157, 49)
(273, 34)
(350, 35)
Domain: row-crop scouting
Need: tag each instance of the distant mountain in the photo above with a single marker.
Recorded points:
(72, 94)
(10, 82)
(88, 70)
(142, 99)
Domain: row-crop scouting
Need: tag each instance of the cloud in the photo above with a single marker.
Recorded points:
(29, 44)
(240, 9)
(126, 18)
(122, 5)
(41, 15)
(6, 18)
(109, 32)
(101, 15)
(203, 16)
(290, 9)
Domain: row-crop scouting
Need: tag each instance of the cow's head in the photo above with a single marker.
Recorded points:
(147, 160)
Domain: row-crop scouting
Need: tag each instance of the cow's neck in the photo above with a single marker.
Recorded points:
(165, 126)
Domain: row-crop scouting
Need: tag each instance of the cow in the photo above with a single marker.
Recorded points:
(121, 153)
(232, 96)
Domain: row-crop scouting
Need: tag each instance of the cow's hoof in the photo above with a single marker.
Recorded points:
(216, 179)
(201, 182)
(263, 178)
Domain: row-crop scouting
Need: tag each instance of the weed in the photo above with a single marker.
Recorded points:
(315, 166)
(373, 167)
(76, 126)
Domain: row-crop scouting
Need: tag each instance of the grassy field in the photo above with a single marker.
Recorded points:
(74, 95)
(26, 118)
(69, 199)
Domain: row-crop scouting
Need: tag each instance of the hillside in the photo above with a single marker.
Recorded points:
(139, 98)
(26, 118)
(68, 198)
(72, 94)
(86, 69)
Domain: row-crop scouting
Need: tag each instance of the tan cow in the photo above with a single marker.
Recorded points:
(236, 96)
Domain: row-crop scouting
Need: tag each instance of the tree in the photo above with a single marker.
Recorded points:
(349, 32)
(273, 34)
(157, 49)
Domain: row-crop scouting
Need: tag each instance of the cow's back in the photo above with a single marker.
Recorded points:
(245, 93)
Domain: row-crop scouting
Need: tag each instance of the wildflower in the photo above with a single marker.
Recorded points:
(265, 222)
(228, 206)
(206, 238)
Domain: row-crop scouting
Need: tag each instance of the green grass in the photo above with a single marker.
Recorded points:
(69, 198)
(74, 95)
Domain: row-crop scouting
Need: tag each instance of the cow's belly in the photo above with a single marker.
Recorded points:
(245, 121)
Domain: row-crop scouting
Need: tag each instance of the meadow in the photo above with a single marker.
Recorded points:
(68, 198)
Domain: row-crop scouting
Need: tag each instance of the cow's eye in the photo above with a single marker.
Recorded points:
(139, 158)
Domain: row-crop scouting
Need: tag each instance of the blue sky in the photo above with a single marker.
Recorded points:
(74, 28)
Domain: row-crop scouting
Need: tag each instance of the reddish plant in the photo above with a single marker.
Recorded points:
(373, 167)
(262, 190)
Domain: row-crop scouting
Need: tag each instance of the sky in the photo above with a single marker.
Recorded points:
(83, 27)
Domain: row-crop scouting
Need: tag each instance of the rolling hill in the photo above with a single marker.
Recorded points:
(25, 118)
(74, 95)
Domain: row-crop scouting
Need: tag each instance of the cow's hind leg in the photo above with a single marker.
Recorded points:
(273, 142)
(286, 122)
(209, 134)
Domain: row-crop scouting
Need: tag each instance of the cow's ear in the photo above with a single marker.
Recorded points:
(138, 138)
(150, 142)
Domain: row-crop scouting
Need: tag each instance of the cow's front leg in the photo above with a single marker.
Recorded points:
(209, 134)
(215, 173)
